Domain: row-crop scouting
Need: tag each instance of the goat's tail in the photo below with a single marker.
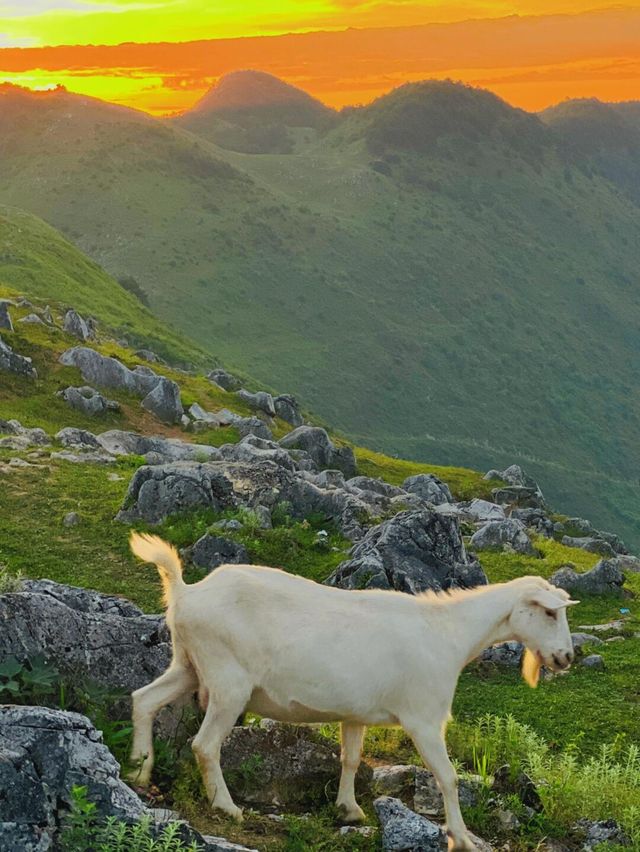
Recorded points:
(151, 548)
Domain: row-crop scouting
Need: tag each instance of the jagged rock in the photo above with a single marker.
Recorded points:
(84, 457)
(84, 634)
(108, 372)
(605, 578)
(210, 551)
(259, 401)
(287, 409)
(252, 448)
(326, 478)
(518, 495)
(21, 437)
(316, 442)
(224, 380)
(291, 765)
(47, 316)
(503, 654)
(87, 400)
(5, 316)
(31, 319)
(263, 515)
(207, 417)
(579, 640)
(477, 510)
(44, 754)
(74, 324)
(366, 483)
(15, 363)
(615, 542)
(253, 426)
(509, 535)
(411, 552)
(536, 519)
(79, 439)
(591, 545)
(405, 831)
(593, 661)
(596, 832)
(429, 487)
(581, 526)
(120, 443)
(164, 401)
(148, 355)
(417, 787)
(626, 562)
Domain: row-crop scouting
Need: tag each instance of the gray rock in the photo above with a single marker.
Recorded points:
(365, 483)
(593, 661)
(596, 832)
(87, 400)
(518, 495)
(477, 510)
(405, 831)
(259, 401)
(253, 426)
(429, 487)
(224, 380)
(108, 372)
(207, 417)
(161, 490)
(411, 552)
(84, 634)
(31, 319)
(5, 316)
(316, 442)
(210, 551)
(605, 578)
(164, 401)
(503, 654)
(291, 765)
(263, 514)
(287, 409)
(79, 439)
(45, 753)
(14, 363)
(579, 640)
(327, 478)
(417, 787)
(591, 545)
(614, 541)
(74, 324)
(252, 448)
(509, 535)
(71, 519)
(35, 437)
(120, 443)
(626, 562)
(536, 519)
(580, 526)
(84, 457)
(47, 316)
(148, 355)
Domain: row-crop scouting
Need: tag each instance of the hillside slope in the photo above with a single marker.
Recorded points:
(434, 274)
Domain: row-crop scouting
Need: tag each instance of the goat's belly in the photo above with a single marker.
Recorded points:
(262, 704)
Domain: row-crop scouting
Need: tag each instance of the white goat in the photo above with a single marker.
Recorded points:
(262, 640)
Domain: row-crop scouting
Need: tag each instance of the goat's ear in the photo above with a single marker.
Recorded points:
(549, 600)
(530, 668)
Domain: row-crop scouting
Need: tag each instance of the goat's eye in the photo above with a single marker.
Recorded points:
(551, 613)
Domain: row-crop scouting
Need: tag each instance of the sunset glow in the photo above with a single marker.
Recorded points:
(162, 55)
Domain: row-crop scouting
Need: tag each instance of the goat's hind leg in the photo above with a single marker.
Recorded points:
(227, 701)
(178, 680)
(351, 735)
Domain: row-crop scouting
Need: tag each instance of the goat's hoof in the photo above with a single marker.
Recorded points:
(137, 778)
(351, 815)
(232, 811)
(461, 844)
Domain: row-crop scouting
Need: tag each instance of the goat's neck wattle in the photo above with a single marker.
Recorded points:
(479, 619)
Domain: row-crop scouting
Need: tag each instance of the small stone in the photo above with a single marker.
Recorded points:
(31, 319)
(508, 820)
(71, 519)
(593, 661)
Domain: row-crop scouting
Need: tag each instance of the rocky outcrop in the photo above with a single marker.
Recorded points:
(157, 450)
(509, 535)
(481, 511)
(161, 490)
(14, 363)
(411, 552)
(87, 400)
(259, 401)
(19, 437)
(252, 448)
(590, 544)
(32, 319)
(605, 579)
(108, 372)
(404, 830)
(287, 409)
(290, 765)
(224, 380)
(44, 753)
(148, 355)
(74, 324)
(5, 316)
(418, 788)
(316, 442)
(79, 439)
(429, 487)
(210, 551)
(164, 401)
(84, 634)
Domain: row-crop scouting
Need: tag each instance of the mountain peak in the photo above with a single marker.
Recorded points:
(250, 89)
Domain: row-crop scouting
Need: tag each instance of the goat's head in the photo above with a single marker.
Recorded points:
(539, 620)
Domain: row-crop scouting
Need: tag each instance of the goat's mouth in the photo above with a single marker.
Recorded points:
(555, 662)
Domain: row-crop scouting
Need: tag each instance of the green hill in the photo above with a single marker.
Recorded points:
(601, 136)
(436, 274)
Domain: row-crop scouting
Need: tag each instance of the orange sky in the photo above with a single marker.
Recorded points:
(530, 60)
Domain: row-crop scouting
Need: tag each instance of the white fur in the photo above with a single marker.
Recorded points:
(262, 640)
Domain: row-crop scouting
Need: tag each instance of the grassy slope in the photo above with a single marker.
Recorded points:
(469, 301)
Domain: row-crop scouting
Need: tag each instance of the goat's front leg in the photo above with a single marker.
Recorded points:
(176, 681)
(352, 736)
(429, 741)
